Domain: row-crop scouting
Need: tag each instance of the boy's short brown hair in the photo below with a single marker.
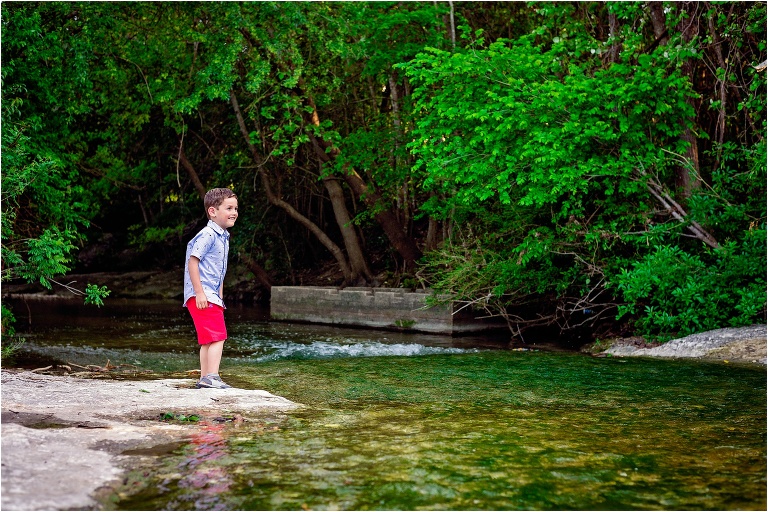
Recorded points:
(216, 196)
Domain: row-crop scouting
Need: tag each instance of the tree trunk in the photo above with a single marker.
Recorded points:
(432, 230)
(613, 35)
(361, 274)
(688, 177)
(403, 207)
(395, 101)
(717, 44)
(676, 211)
(386, 218)
(407, 249)
(290, 210)
(258, 271)
(659, 21)
(192, 173)
(359, 267)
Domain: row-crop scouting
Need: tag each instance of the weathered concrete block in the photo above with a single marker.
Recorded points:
(381, 308)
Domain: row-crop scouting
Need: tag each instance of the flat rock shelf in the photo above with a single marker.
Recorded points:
(736, 344)
(65, 438)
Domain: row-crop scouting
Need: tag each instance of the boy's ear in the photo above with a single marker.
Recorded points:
(211, 211)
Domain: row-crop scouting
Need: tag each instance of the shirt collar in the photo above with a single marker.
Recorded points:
(218, 229)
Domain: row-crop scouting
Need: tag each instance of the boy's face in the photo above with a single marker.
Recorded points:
(226, 214)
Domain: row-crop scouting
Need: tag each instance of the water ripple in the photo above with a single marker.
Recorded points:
(276, 351)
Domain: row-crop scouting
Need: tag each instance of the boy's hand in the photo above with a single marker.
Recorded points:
(201, 301)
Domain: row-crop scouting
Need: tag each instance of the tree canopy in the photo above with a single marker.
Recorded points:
(596, 164)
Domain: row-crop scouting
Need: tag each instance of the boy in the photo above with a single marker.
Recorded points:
(204, 270)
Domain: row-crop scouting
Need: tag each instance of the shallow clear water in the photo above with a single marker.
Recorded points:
(405, 422)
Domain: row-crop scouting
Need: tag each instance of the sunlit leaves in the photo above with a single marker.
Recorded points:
(544, 126)
(495, 120)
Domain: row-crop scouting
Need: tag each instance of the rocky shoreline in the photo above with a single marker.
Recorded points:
(730, 345)
(68, 441)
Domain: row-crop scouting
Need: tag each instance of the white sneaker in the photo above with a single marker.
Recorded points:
(212, 380)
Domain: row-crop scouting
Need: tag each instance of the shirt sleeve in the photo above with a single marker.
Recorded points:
(202, 245)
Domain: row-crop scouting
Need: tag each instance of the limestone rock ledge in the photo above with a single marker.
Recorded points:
(733, 344)
(82, 428)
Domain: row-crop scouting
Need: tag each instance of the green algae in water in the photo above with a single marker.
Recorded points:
(489, 431)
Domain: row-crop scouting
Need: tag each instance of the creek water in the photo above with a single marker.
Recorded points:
(397, 421)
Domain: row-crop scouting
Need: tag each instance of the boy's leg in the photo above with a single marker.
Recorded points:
(204, 360)
(212, 358)
(209, 324)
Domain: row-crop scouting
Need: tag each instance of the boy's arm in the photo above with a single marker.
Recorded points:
(194, 274)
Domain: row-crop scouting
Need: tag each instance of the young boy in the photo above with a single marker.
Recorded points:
(204, 270)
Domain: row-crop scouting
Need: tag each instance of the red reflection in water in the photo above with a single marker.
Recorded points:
(205, 479)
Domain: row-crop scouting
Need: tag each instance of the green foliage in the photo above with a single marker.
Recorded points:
(547, 136)
(10, 346)
(143, 236)
(36, 252)
(387, 33)
(497, 119)
(95, 295)
(735, 196)
(43, 206)
(184, 418)
(10, 342)
(695, 293)
(47, 256)
(534, 154)
(704, 290)
(503, 138)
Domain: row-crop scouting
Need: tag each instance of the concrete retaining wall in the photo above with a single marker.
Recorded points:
(381, 308)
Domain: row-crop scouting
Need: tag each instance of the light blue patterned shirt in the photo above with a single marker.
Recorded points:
(211, 247)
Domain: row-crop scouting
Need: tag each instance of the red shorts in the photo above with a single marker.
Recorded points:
(209, 322)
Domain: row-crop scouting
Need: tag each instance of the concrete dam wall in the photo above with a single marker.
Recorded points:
(380, 308)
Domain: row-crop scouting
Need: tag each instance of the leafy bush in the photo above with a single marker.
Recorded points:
(548, 170)
(42, 208)
(11, 343)
(566, 169)
(674, 293)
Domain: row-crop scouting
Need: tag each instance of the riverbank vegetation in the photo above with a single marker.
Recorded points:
(597, 165)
